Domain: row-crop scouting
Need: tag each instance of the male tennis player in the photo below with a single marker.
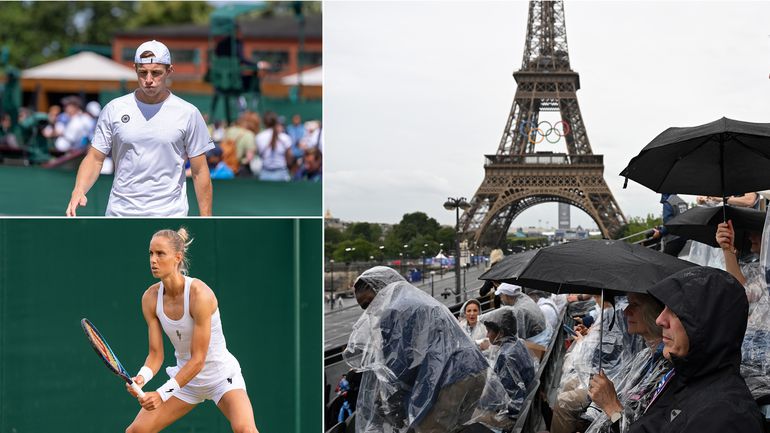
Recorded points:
(186, 310)
(150, 134)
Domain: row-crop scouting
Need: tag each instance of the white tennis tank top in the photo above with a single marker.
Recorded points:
(220, 363)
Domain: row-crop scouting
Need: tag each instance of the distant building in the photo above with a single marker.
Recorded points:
(274, 40)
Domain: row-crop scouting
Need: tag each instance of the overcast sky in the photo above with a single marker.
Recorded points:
(416, 93)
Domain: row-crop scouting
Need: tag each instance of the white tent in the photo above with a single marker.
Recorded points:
(310, 77)
(81, 66)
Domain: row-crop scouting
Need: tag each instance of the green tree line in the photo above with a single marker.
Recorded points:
(366, 241)
(37, 32)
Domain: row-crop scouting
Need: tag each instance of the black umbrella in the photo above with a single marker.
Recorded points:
(700, 223)
(587, 266)
(509, 267)
(722, 158)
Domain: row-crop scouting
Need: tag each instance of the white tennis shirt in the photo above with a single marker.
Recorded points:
(150, 144)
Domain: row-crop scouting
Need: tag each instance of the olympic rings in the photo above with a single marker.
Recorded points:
(537, 133)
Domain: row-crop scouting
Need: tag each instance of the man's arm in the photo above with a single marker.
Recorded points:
(202, 181)
(87, 174)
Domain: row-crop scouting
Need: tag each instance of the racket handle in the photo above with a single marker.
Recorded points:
(137, 389)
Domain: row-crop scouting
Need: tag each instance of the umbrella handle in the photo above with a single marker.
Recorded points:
(724, 209)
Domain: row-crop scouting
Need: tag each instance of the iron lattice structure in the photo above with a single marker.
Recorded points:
(518, 177)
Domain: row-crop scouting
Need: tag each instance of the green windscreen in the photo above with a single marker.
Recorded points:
(266, 275)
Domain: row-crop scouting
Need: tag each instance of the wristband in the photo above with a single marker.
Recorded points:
(615, 417)
(146, 373)
(168, 389)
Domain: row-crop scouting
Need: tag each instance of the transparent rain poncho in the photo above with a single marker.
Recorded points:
(755, 360)
(509, 376)
(529, 316)
(582, 360)
(478, 332)
(635, 389)
(414, 356)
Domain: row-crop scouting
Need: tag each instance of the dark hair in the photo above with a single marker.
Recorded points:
(315, 153)
(472, 301)
(271, 121)
(360, 285)
(147, 54)
(492, 326)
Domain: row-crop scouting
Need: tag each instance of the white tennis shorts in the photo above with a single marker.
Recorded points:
(198, 394)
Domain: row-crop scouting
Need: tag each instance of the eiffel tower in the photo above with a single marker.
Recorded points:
(518, 177)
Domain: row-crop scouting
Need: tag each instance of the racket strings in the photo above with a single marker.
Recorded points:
(102, 347)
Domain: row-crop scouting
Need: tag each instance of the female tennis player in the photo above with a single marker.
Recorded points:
(186, 310)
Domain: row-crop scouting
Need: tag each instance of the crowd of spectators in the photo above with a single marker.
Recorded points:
(264, 147)
(653, 361)
(254, 146)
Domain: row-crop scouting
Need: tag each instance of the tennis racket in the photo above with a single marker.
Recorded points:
(108, 356)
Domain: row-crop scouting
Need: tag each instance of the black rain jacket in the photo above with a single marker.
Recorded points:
(707, 392)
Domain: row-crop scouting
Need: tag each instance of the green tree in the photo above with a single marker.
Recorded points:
(369, 231)
(446, 236)
(173, 12)
(639, 224)
(332, 237)
(357, 250)
(412, 225)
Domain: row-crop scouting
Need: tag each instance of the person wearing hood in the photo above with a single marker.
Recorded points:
(510, 376)
(703, 323)
(529, 316)
(420, 370)
(469, 321)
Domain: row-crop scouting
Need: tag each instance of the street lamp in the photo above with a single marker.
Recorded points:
(432, 273)
(348, 259)
(422, 274)
(456, 204)
(331, 266)
(406, 258)
(382, 254)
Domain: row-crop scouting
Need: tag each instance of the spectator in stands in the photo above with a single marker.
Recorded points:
(528, 315)
(78, 129)
(511, 374)
(706, 255)
(274, 148)
(56, 122)
(217, 167)
(624, 403)
(311, 168)
(581, 361)
(469, 321)
(93, 109)
(755, 362)
(672, 206)
(703, 323)
(494, 257)
(238, 144)
(312, 136)
(421, 371)
(296, 131)
(550, 312)
(7, 138)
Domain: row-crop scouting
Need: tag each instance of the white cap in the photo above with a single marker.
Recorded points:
(93, 108)
(508, 289)
(160, 51)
